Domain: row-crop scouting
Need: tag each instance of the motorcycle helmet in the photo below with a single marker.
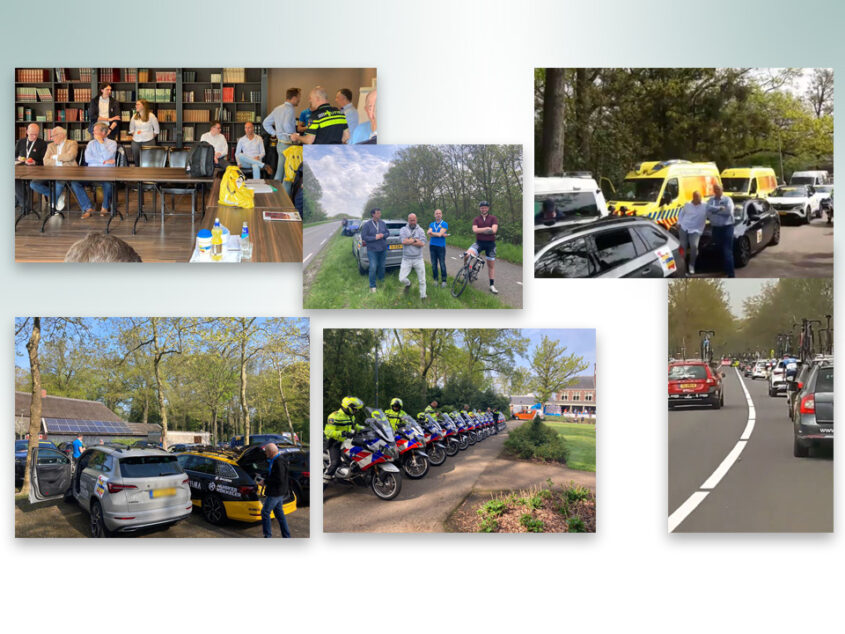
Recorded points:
(396, 404)
(351, 404)
(421, 417)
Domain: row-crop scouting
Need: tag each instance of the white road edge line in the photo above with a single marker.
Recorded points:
(692, 502)
(323, 242)
(306, 258)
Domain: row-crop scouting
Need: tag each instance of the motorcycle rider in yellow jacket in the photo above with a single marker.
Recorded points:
(338, 424)
(396, 414)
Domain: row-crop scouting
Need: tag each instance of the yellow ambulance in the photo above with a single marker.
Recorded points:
(658, 189)
(749, 182)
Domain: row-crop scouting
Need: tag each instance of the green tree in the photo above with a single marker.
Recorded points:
(553, 369)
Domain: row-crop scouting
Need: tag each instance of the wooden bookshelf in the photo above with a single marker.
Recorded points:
(232, 95)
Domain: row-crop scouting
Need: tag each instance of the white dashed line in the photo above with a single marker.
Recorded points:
(306, 258)
(323, 242)
(692, 502)
(520, 283)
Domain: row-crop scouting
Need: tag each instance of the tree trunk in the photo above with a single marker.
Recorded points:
(35, 402)
(553, 122)
(145, 413)
(244, 406)
(214, 439)
(162, 406)
(582, 113)
(285, 404)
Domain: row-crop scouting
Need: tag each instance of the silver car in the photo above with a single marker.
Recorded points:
(394, 247)
(123, 489)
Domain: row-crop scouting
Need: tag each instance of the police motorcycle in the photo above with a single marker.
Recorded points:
(435, 439)
(367, 458)
(410, 440)
(475, 427)
(462, 428)
(488, 424)
(501, 423)
(450, 431)
(826, 208)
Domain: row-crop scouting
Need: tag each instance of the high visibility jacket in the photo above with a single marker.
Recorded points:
(395, 418)
(430, 410)
(338, 423)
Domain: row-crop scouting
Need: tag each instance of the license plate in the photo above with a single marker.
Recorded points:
(395, 246)
(162, 493)
(687, 386)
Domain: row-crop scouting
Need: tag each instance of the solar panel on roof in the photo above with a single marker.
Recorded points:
(71, 426)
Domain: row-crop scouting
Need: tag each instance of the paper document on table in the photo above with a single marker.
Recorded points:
(290, 216)
(259, 186)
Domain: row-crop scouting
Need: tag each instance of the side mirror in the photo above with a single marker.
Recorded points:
(667, 199)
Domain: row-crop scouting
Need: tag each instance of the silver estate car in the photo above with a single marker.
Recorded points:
(123, 489)
(813, 414)
(394, 247)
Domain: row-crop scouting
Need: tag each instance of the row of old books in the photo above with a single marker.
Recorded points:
(196, 116)
(73, 95)
(156, 95)
(234, 75)
(85, 75)
(32, 93)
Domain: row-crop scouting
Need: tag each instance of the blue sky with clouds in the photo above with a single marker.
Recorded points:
(348, 174)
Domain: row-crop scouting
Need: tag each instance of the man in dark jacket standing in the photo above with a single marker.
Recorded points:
(275, 490)
(374, 237)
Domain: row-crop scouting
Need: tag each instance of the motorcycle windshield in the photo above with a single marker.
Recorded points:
(381, 426)
(433, 424)
(414, 426)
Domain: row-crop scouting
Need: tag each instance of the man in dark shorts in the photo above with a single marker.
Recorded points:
(485, 226)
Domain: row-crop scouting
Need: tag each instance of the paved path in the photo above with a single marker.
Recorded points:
(508, 276)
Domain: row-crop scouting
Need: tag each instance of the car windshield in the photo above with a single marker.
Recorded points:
(802, 180)
(735, 185)
(677, 372)
(824, 382)
(790, 192)
(568, 205)
(149, 466)
(640, 189)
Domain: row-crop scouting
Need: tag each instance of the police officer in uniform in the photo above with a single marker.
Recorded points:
(395, 414)
(337, 426)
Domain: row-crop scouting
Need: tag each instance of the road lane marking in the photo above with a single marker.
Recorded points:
(692, 502)
(323, 242)
(520, 283)
(306, 258)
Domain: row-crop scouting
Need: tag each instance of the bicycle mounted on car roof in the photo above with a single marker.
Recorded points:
(706, 346)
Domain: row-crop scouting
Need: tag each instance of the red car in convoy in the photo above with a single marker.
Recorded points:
(695, 383)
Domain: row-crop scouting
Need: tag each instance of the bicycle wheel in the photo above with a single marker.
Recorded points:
(460, 282)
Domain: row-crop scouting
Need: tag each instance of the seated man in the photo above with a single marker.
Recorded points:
(215, 138)
(63, 151)
(101, 247)
(250, 150)
(28, 151)
(101, 152)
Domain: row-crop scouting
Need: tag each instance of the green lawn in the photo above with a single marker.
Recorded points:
(581, 440)
(339, 285)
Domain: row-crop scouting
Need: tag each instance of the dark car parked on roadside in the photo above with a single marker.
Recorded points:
(611, 247)
(21, 449)
(812, 418)
(756, 225)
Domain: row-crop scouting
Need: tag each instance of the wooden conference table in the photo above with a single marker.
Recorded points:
(127, 175)
(272, 240)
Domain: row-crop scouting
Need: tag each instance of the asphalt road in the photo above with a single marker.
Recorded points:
(314, 238)
(766, 489)
(803, 251)
(67, 519)
(508, 278)
(423, 506)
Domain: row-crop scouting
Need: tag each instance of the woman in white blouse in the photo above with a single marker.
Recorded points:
(143, 127)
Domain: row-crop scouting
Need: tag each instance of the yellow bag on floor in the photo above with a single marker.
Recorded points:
(233, 192)
(293, 158)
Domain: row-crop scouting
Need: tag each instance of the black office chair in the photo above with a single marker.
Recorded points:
(178, 157)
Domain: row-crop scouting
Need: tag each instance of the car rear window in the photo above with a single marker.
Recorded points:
(614, 247)
(149, 466)
(824, 381)
(652, 237)
(568, 259)
(687, 372)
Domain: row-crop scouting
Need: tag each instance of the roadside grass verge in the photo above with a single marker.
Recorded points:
(339, 285)
(504, 250)
(543, 509)
(580, 441)
(317, 222)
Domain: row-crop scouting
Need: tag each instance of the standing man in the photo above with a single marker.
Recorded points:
(431, 408)
(78, 448)
(720, 213)
(327, 125)
(215, 139)
(101, 152)
(275, 490)
(413, 241)
(374, 237)
(437, 246)
(485, 226)
(343, 99)
(250, 150)
(62, 151)
(281, 123)
(691, 222)
(29, 150)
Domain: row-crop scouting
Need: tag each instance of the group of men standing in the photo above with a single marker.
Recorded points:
(719, 210)
(374, 233)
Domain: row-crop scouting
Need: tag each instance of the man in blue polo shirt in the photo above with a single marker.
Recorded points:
(78, 448)
(437, 232)
(720, 213)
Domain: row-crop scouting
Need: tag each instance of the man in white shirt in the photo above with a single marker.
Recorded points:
(691, 223)
(281, 123)
(215, 138)
(250, 150)
(343, 99)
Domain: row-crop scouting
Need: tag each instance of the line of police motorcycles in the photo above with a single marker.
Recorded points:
(377, 457)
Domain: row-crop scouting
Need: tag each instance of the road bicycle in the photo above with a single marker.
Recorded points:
(469, 272)
(706, 346)
(807, 339)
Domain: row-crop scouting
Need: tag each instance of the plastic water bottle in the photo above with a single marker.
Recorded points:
(246, 245)
(217, 241)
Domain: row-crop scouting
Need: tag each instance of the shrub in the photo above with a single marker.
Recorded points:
(535, 502)
(493, 507)
(537, 440)
(576, 493)
(531, 524)
(488, 525)
(576, 525)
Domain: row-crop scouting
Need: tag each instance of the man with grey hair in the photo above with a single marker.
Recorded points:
(366, 132)
(28, 151)
(101, 247)
(101, 151)
(62, 151)
(328, 124)
(275, 489)
(413, 240)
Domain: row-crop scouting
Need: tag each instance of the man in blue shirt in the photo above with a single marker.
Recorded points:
(281, 123)
(101, 152)
(343, 99)
(374, 237)
(437, 232)
(720, 213)
(78, 447)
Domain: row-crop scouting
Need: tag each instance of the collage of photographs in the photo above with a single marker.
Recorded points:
(719, 179)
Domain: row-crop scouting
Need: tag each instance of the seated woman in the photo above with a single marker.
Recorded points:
(143, 127)
(250, 150)
(101, 152)
(62, 151)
